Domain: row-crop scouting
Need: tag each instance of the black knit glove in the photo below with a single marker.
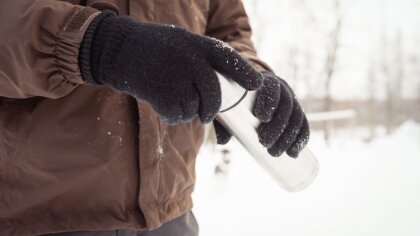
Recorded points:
(284, 126)
(165, 65)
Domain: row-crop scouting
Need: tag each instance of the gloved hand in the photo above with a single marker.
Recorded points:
(165, 65)
(284, 126)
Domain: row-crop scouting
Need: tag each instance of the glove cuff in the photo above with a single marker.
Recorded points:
(101, 42)
(85, 50)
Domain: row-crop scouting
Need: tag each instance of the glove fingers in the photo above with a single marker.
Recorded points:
(301, 140)
(229, 63)
(270, 132)
(267, 100)
(291, 132)
(208, 87)
(190, 105)
(222, 134)
(170, 114)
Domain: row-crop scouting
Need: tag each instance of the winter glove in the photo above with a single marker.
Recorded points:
(165, 65)
(284, 126)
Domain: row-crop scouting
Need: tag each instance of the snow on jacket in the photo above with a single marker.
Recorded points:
(74, 156)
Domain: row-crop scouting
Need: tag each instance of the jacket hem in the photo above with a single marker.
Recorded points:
(48, 224)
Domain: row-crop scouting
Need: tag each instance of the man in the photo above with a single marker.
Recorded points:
(101, 115)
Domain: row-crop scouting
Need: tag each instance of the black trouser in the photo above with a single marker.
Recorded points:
(185, 225)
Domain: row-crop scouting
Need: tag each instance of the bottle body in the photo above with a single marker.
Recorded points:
(292, 174)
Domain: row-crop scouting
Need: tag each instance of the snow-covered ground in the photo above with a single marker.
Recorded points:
(362, 189)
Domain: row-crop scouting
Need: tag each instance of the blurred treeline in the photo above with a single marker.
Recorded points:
(345, 55)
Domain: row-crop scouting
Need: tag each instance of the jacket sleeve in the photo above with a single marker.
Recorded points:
(39, 47)
(228, 21)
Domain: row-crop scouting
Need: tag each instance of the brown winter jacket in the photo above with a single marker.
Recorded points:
(78, 157)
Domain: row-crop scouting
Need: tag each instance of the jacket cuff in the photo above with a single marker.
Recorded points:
(69, 41)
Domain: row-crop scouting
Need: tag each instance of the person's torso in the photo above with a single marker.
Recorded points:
(97, 158)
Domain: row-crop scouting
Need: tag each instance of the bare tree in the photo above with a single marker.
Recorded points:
(372, 100)
(398, 78)
(300, 54)
(393, 70)
(330, 64)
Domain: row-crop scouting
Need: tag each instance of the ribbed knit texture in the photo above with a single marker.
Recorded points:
(85, 49)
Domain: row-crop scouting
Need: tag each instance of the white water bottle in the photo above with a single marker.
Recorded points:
(292, 174)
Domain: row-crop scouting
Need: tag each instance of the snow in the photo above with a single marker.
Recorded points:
(362, 189)
(223, 45)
